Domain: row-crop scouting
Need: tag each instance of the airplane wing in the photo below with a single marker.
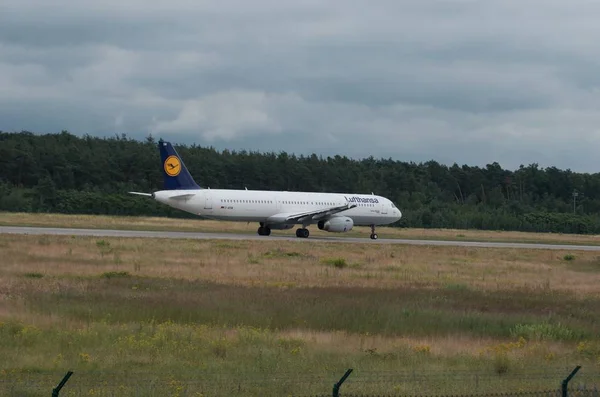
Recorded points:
(309, 215)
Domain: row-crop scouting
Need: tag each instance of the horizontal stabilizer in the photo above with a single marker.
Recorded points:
(182, 196)
(142, 194)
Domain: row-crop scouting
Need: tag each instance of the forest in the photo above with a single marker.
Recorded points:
(66, 173)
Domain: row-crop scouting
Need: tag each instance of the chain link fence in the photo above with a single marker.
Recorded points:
(350, 384)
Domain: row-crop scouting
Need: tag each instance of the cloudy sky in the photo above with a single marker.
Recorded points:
(466, 81)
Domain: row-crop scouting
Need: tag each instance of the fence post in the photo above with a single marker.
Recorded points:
(565, 382)
(56, 390)
(336, 386)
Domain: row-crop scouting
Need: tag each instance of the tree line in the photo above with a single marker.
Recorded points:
(65, 173)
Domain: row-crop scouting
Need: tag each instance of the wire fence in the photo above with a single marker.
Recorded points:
(124, 383)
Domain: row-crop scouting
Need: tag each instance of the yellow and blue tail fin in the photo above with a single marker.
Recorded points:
(175, 174)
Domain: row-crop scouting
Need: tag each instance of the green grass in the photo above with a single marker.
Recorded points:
(340, 263)
(546, 331)
(34, 275)
(115, 274)
(241, 361)
(412, 311)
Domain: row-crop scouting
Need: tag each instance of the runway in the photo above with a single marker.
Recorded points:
(232, 236)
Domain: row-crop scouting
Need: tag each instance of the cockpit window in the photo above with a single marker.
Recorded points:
(393, 205)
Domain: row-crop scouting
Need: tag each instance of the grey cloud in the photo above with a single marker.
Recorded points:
(455, 80)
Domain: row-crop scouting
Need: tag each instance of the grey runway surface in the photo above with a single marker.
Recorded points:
(232, 236)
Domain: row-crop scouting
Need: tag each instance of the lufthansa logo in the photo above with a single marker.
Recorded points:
(172, 166)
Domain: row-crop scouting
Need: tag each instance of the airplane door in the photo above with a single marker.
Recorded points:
(207, 201)
(384, 208)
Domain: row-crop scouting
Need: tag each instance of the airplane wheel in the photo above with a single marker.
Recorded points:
(264, 231)
(373, 234)
(302, 233)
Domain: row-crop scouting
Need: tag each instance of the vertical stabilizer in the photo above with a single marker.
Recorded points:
(175, 174)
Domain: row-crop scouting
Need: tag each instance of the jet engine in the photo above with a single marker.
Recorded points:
(338, 224)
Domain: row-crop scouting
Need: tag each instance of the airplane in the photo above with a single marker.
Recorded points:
(273, 210)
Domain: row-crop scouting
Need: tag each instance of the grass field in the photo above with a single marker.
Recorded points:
(144, 317)
(202, 225)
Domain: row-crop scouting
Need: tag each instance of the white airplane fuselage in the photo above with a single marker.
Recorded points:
(263, 206)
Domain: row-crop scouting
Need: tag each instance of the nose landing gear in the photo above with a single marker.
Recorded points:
(373, 234)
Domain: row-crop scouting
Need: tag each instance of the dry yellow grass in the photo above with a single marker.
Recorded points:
(289, 264)
(201, 225)
(447, 347)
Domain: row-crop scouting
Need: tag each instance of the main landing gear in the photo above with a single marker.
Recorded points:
(264, 230)
(373, 234)
(303, 232)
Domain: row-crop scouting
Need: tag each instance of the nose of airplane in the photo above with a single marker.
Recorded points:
(398, 214)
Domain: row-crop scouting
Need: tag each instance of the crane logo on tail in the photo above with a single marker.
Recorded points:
(172, 166)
